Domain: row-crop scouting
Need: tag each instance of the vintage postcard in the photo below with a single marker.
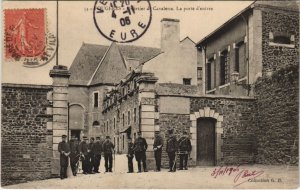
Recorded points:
(144, 94)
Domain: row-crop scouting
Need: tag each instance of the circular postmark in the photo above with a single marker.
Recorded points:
(122, 20)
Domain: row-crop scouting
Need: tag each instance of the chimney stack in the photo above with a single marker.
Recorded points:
(169, 34)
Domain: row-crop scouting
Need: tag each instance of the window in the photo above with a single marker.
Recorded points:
(283, 39)
(224, 68)
(96, 103)
(128, 118)
(123, 119)
(187, 81)
(240, 57)
(134, 115)
(123, 143)
(96, 124)
(104, 128)
(114, 123)
(107, 126)
(211, 80)
(199, 73)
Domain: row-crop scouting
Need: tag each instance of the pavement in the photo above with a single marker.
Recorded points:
(230, 177)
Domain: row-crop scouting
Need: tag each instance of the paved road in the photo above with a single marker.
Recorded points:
(199, 177)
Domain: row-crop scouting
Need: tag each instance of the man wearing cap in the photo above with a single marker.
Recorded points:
(108, 149)
(185, 148)
(172, 146)
(157, 147)
(64, 150)
(97, 149)
(74, 155)
(130, 156)
(91, 155)
(83, 149)
(140, 146)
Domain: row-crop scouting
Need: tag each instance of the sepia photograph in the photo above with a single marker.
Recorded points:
(150, 94)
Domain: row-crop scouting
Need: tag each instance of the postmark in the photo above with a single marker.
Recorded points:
(26, 37)
(122, 20)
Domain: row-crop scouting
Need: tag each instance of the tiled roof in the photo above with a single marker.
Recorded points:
(143, 54)
(112, 68)
(85, 63)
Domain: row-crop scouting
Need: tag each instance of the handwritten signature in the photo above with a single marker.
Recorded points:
(241, 175)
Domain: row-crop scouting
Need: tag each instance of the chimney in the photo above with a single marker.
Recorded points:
(169, 34)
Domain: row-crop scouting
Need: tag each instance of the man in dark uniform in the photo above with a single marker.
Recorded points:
(74, 155)
(172, 146)
(91, 156)
(140, 146)
(185, 148)
(97, 149)
(108, 149)
(157, 147)
(64, 150)
(130, 156)
(83, 149)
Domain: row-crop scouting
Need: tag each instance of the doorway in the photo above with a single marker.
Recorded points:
(76, 133)
(206, 139)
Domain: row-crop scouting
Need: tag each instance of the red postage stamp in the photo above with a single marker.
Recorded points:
(25, 33)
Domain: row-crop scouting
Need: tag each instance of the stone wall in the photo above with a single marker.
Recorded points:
(26, 144)
(278, 115)
(238, 125)
(277, 56)
(179, 123)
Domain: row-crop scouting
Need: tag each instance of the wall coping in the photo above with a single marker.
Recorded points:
(210, 96)
(26, 85)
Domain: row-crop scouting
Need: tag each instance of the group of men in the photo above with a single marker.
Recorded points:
(90, 153)
(182, 147)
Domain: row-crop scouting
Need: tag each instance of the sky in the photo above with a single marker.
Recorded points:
(76, 26)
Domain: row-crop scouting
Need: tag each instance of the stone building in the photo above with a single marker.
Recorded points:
(226, 114)
(97, 69)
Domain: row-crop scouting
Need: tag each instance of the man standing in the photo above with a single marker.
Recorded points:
(64, 150)
(83, 149)
(108, 149)
(185, 148)
(172, 146)
(157, 147)
(140, 146)
(130, 156)
(74, 155)
(97, 153)
(91, 156)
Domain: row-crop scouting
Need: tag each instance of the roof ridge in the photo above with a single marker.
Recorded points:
(123, 59)
(118, 44)
(89, 83)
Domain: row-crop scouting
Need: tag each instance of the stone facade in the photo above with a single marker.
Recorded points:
(237, 134)
(282, 23)
(26, 142)
(278, 116)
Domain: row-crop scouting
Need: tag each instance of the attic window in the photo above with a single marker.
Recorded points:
(281, 39)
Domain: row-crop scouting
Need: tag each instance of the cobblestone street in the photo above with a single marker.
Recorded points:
(199, 177)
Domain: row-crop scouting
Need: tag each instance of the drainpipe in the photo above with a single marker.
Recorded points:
(204, 68)
(247, 52)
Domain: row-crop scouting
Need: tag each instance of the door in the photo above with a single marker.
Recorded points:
(206, 142)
